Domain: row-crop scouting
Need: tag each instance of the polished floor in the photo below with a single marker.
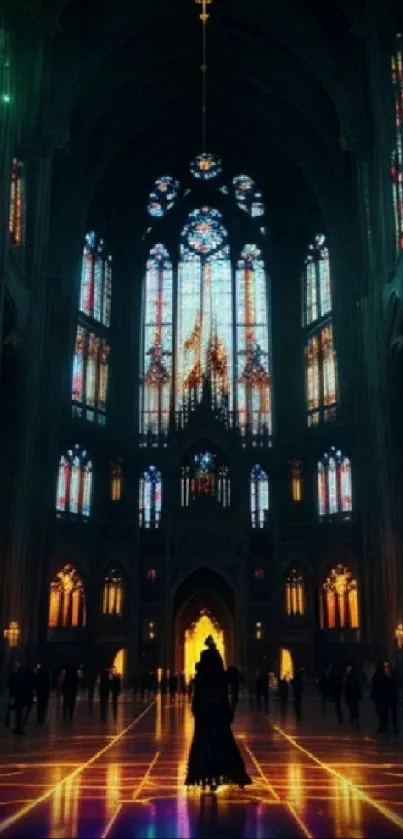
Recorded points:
(126, 779)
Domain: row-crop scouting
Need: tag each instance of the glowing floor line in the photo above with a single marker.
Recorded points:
(384, 811)
(72, 775)
(261, 773)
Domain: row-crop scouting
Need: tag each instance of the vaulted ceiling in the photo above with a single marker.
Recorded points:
(281, 89)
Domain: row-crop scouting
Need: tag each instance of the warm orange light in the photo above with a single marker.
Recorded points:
(399, 635)
(195, 637)
(12, 634)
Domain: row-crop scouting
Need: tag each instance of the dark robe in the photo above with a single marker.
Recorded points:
(214, 756)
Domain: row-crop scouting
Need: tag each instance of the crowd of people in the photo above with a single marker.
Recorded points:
(341, 689)
(29, 686)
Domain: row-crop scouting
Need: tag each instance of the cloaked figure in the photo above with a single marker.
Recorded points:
(214, 757)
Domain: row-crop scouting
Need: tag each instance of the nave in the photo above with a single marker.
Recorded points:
(126, 780)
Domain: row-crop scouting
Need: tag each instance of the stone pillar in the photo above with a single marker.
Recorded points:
(22, 577)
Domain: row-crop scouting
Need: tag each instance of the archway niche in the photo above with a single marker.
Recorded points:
(204, 592)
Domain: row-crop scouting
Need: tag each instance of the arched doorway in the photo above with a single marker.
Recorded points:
(203, 604)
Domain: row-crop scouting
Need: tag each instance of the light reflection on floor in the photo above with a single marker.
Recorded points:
(309, 784)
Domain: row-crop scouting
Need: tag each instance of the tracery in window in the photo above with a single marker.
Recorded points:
(396, 168)
(157, 345)
(16, 219)
(247, 196)
(253, 371)
(202, 476)
(206, 166)
(163, 196)
(67, 600)
(90, 376)
(294, 594)
(334, 484)
(74, 483)
(112, 596)
(204, 332)
(339, 600)
(259, 497)
(96, 280)
(150, 498)
(320, 353)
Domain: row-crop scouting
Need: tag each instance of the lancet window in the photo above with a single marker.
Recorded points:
(112, 597)
(259, 497)
(320, 352)
(294, 594)
(334, 484)
(67, 600)
(74, 483)
(150, 500)
(339, 600)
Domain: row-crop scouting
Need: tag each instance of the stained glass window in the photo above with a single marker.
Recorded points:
(112, 595)
(206, 166)
(74, 483)
(163, 196)
(334, 484)
(67, 600)
(296, 480)
(96, 280)
(339, 600)
(320, 353)
(317, 286)
(259, 497)
(157, 345)
(247, 196)
(253, 373)
(397, 154)
(16, 219)
(150, 500)
(116, 479)
(203, 477)
(204, 332)
(294, 594)
(90, 376)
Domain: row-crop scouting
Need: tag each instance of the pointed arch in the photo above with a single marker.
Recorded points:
(67, 606)
(259, 497)
(150, 498)
(157, 339)
(320, 353)
(74, 483)
(253, 373)
(96, 280)
(205, 324)
(334, 485)
(205, 473)
(113, 593)
(294, 590)
(339, 606)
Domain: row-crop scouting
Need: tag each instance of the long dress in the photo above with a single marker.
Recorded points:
(214, 757)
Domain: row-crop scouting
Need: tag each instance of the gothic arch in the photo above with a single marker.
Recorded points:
(203, 589)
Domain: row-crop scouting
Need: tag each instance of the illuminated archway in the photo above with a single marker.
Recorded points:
(119, 662)
(286, 665)
(195, 637)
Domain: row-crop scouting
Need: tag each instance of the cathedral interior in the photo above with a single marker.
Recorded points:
(201, 315)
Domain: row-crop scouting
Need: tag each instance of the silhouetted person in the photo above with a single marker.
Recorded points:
(28, 681)
(69, 692)
(262, 691)
(297, 686)
(116, 690)
(323, 685)
(392, 689)
(234, 681)
(91, 683)
(336, 691)
(42, 689)
(16, 697)
(105, 684)
(283, 698)
(214, 756)
(353, 695)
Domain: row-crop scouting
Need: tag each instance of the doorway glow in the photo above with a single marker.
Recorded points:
(119, 662)
(195, 637)
(286, 665)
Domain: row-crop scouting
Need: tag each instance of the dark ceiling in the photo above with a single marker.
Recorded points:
(281, 90)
